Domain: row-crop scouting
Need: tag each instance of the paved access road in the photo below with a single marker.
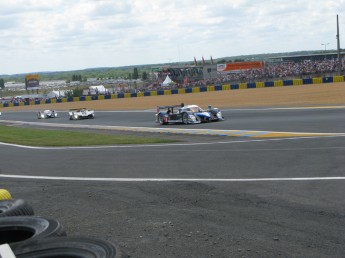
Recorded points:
(207, 196)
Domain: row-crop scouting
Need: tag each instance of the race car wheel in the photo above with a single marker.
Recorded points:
(185, 118)
(24, 228)
(5, 195)
(77, 247)
(161, 119)
(17, 207)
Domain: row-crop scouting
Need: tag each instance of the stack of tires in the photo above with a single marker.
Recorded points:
(24, 235)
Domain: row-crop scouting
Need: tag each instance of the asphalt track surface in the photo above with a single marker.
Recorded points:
(205, 196)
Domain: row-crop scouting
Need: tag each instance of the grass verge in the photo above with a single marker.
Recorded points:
(40, 137)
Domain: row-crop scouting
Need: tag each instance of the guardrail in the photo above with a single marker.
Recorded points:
(236, 86)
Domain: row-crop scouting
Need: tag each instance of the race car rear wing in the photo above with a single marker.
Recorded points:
(167, 107)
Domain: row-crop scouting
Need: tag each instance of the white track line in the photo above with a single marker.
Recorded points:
(172, 179)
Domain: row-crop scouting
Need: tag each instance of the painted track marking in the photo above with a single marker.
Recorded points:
(172, 179)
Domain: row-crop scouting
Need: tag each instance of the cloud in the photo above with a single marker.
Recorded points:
(66, 35)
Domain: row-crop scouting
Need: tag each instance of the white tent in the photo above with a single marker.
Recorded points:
(167, 81)
(99, 89)
(56, 94)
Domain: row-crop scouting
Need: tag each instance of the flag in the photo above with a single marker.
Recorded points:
(195, 62)
(203, 61)
(212, 60)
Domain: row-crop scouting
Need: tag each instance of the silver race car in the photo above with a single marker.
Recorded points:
(189, 114)
(81, 113)
(46, 114)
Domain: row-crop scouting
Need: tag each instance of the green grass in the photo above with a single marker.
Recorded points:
(40, 137)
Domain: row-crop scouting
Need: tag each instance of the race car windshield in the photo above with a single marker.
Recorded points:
(196, 109)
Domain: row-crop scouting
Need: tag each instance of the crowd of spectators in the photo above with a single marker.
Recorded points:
(270, 72)
(288, 70)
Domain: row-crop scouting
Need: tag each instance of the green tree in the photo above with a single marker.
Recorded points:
(135, 73)
(2, 84)
(144, 76)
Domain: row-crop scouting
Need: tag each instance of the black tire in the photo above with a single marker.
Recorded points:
(23, 228)
(185, 118)
(15, 208)
(161, 119)
(76, 247)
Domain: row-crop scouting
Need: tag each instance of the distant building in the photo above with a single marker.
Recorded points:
(300, 58)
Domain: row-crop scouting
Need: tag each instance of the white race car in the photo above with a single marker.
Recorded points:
(81, 113)
(46, 114)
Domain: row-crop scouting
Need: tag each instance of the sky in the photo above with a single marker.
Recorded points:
(66, 35)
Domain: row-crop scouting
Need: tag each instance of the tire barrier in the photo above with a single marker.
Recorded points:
(15, 208)
(77, 247)
(23, 235)
(23, 228)
(5, 195)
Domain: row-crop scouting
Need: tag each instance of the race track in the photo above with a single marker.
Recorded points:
(213, 196)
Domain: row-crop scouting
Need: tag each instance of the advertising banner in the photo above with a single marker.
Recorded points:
(237, 66)
(32, 81)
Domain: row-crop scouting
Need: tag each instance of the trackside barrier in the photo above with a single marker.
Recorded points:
(269, 84)
(203, 89)
(327, 79)
(297, 81)
(195, 90)
(260, 84)
(338, 78)
(317, 80)
(181, 91)
(278, 83)
(225, 87)
(288, 83)
(307, 81)
(242, 86)
(234, 86)
(251, 85)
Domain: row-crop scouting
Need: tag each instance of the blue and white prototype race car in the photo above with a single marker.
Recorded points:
(187, 114)
(46, 114)
(81, 113)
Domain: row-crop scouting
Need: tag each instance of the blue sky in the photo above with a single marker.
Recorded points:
(63, 35)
